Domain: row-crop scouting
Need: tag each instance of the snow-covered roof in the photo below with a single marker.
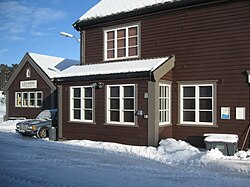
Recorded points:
(130, 66)
(52, 65)
(228, 138)
(111, 7)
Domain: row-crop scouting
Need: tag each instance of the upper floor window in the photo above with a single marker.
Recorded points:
(121, 42)
(197, 104)
(28, 72)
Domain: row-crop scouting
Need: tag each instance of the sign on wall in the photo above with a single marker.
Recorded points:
(225, 112)
(240, 113)
(28, 84)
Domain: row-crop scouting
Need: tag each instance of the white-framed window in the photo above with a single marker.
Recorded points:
(121, 42)
(28, 73)
(28, 99)
(197, 104)
(164, 104)
(121, 104)
(81, 105)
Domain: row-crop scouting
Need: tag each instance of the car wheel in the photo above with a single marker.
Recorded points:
(42, 133)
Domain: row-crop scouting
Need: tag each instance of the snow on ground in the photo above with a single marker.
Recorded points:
(2, 106)
(27, 161)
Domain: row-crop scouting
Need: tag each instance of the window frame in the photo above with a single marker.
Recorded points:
(168, 98)
(82, 104)
(197, 109)
(21, 94)
(121, 105)
(127, 37)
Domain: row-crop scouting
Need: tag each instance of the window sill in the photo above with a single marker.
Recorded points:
(121, 125)
(198, 125)
(82, 122)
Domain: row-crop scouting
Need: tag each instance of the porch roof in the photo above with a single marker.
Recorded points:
(119, 67)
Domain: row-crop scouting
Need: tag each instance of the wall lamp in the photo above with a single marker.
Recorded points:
(98, 85)
(65, 34)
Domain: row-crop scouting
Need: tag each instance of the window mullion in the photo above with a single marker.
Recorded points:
(197, 104)
(121, 100)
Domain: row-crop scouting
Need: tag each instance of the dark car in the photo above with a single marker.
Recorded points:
(38, 127)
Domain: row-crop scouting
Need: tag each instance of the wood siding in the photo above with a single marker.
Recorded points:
(48, 95)
(210, 42)
(99, 130)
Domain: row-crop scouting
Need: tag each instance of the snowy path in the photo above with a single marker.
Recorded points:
(26, 161)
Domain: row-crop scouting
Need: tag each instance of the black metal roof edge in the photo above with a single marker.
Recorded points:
(168, 6)
(103, 77)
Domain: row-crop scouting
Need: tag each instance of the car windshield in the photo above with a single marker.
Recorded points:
(46, 114)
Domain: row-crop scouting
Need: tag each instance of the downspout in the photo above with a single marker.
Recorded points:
(82, 47)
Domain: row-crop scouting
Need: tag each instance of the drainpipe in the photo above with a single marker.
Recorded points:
(82, 47)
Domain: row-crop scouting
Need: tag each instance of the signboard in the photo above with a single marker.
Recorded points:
(240, 113)
(28, 84)
(225, 112)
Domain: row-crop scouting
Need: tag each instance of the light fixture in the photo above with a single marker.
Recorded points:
(97, 85)
(65, 34)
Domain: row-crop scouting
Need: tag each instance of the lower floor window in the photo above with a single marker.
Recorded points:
(81, 103)
(121, 104)
(197, 104)
(164, 104)
(28, 99)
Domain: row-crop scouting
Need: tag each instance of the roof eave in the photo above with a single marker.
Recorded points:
(168, 6)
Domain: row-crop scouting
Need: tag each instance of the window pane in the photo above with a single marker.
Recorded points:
(132, 31)
(189, 91)
(121, 33)
(18, 99)
(111, 44)
(77, 103)
(39, 95)
(77, 92)
(110, 35)
(114, 91)
(162, 116)
(206, 104)
(205, 91)
(133, 51)
(88, 114)
(114, 116)
(77, 114)
(129, 104)
(121, 52)
(121, 43)
(88, 92)
(114, 104)
(32, 99)
(88, 103)
(206, 116)
(189, 116)
(128, 116)
(128, 91)
(25, 99)
(39, 103)
(110, 54)
(163, 104)
(189, 104)
(132, 41)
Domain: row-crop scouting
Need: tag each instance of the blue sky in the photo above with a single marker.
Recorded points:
(35, 26)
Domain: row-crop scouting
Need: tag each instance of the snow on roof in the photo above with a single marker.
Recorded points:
(131, 66)
(228, 138)
(110, 7)
(52, 65)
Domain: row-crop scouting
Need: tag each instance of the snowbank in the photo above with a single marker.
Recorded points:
(169, 151)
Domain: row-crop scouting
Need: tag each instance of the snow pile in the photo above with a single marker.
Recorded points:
(170, 151)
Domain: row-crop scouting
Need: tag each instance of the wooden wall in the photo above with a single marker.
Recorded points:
(135, 135)
(41, 86)
(210, 43)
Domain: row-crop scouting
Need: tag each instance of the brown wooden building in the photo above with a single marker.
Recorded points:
(30, 89)
(207, 90)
